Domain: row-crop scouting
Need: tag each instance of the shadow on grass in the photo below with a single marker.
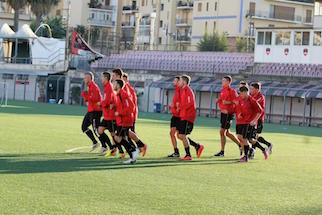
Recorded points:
(63, 162)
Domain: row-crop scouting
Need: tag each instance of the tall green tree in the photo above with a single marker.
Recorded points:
(41, 8)
(213, 42)
(16, 6)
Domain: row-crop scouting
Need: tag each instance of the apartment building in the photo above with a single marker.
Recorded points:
(7, 16)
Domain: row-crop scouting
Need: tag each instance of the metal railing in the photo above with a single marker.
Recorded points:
(271, 15)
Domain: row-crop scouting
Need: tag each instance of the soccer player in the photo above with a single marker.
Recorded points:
(187, 117)
(175, 120)
(108, 105)
(260, 98)
(94, 112)
(132, 94)
(124, 120)
(227, 107)
(248, 112)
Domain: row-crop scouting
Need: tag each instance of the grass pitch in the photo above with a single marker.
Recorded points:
(37, 176)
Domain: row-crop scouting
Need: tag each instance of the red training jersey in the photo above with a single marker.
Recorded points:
(227, 94)
(187, 105)
(109, 102)
(175, 102)
(134, 99)
(260, 98)
(92, 97)
(246, 110)
(125, 109)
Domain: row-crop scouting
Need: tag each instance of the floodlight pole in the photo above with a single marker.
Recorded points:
(67, 35)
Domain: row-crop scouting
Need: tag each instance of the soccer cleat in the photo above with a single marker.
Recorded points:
(265, 154)
(270, 149)
(186, 158)
(243, 160)
(107, 153)
(114, 152)
(220, 154)
(199, 151)
(241, 150)
(174, 155)
(94, 146)
(251, 153)
(143, 150)
(130, 161)
(121, 156)
(135, 154)
(103, 151)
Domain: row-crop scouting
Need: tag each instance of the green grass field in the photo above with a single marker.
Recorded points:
(37, 176)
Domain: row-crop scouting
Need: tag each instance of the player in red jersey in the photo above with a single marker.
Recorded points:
(188, 114)
(94, 112)
(248, 112)
(108, 105)
(133, 136)
(175, 120)
(260, 98)
(227, 107)
(124, 120)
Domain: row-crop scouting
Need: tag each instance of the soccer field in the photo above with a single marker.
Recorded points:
(37, 176)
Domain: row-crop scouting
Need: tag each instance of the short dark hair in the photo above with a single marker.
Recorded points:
(186, 78)
(243, 83)
(125, 75)
(90, 74)
(228, 78)
(177, 77)
(120, 83)
(107, 75)
(243, 89)
(256, 85)
(118, 71)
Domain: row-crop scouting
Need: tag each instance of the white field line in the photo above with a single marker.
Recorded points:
(77, 148)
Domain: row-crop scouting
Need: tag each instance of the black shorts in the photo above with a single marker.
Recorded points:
(132, 128)
(243, 130)
(110, 125)
(92, 118)
(175, 122)
(226, 120)
(185, 127)
(260, 126)
(122, 131)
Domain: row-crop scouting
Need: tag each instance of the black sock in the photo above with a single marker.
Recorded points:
(102, 140)
(119, 147)
(140, 144)
(262, 140)
(105, 140)
(260, 146)
(90, 134)
(176, 150)
(194, 144)
(246, 148)
(254, 146)
(187, 151)
(128, 147)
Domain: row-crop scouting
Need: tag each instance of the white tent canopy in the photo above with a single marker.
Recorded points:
(25, 32)
(6, 31)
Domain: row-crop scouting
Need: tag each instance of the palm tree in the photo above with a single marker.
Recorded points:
(41, 7)
(16, 5)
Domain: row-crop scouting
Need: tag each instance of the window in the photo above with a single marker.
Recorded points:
(318, 9)
(252, 8)
(214, 25)
(142, 2)
(6, 76)
(260, 38)
(206, 26)
(308, 18)
(216, 4)
(160, 40)
(317, 38)
(282, 12)
(302, 38)
(199, 6)
(161, 23)
(282, 38)
(207, 7)
(58, 12)
(162, 7)
(268, 38)
(22, 77)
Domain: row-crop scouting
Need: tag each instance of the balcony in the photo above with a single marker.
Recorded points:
(183, 22)
(265, 15)
(185, 5)
(128, 24)
(130, 9)
(184, 38)
(145, 22)
(101, 17)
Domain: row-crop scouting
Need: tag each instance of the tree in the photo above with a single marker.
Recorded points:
(40, 8)
(241, 45)
(213, 42)
(16, 5)
(56, 25)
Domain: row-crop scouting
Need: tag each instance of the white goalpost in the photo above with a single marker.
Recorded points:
(3, 94)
